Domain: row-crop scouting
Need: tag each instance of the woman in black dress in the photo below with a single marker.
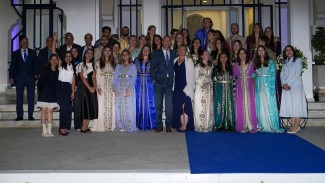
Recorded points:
(87, 105)
(47, 99)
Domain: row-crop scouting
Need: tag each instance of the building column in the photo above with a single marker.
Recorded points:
(300, 22)
(151, 10)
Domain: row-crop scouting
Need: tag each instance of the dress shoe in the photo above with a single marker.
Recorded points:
(294, 132)
(159, 130)
(63, 134)
(169, 129)
(182, 131)
(19, 118)
(31, 118)
(253, 131)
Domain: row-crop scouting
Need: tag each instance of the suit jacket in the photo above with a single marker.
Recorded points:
(20, 69)
(43, 57)
(63, 49)
(159, 70)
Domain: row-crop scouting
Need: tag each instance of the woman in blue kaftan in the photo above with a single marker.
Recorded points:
(145, 103)
(266, 104)
(124, 79)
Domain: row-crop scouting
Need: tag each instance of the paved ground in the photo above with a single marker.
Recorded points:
(25, 149)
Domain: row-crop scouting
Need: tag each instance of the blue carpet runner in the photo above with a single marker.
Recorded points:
(252, 153)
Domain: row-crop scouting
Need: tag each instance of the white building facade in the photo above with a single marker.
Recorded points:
(292, 20)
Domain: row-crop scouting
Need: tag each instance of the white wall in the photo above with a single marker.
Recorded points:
(151, 15)
(8, 18)
(82, 17)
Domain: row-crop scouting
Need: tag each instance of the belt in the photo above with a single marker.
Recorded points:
(263, 75)
(246, 77)
(143, 74)
(106, 74)
(125, 76)
(225, 81)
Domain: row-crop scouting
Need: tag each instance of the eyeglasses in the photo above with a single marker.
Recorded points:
(69, 37)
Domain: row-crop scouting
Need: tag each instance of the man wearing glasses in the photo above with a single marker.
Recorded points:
(68, 46)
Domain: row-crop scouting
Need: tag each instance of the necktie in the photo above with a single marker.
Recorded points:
(25, 55)
(167, 58)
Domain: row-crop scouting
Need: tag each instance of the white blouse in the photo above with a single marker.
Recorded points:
(66, 75)
(85, 70)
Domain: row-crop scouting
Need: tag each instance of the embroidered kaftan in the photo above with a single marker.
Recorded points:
(106, 114)
(266, 105)
(125, 112)
(203, 100)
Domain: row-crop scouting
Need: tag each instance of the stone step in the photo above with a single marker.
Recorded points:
(316, 113)
(11, 115)
(316, 105)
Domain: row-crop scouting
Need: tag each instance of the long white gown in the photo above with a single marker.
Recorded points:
(106, 112)
(203, 100)
(293, 102)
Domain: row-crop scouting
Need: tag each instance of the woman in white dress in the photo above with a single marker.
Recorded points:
(203, 96)
(104, 75)
(293, 101)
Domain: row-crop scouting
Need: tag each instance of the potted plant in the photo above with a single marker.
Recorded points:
(317, 41)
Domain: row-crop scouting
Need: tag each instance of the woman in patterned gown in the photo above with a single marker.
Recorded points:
(266, 105)
(245, 110)
(203, 96)
(125, 75)
(145, 100)
(104, 75)
(224, 114)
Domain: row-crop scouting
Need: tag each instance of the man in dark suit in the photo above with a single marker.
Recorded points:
(68, 46)
(24, 67)
(162, 75)
(45, 53)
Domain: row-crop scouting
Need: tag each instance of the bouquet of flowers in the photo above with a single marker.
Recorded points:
(280, 61)
(194, 58)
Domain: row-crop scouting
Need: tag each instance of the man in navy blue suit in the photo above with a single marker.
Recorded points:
(24, 68)
(162, 75)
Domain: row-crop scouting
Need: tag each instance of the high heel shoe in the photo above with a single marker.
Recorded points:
(179, 130)
(63, 134)
(83, 131)
(294, 132)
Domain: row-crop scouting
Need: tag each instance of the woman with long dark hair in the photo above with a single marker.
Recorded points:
(65, 89)
(47, 98)
(224, 114)
(243, 73)
(203, 96)
(252, 39)
(105, 93)
(87, 107)
(266, 105)
(145, 99)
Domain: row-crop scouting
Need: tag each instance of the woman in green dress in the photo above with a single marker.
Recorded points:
(224, 114)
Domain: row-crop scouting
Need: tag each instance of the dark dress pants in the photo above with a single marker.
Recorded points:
(64, 99)
(161, 92)
(21, 83)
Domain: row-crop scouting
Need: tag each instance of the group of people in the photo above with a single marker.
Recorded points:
(208, 84)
